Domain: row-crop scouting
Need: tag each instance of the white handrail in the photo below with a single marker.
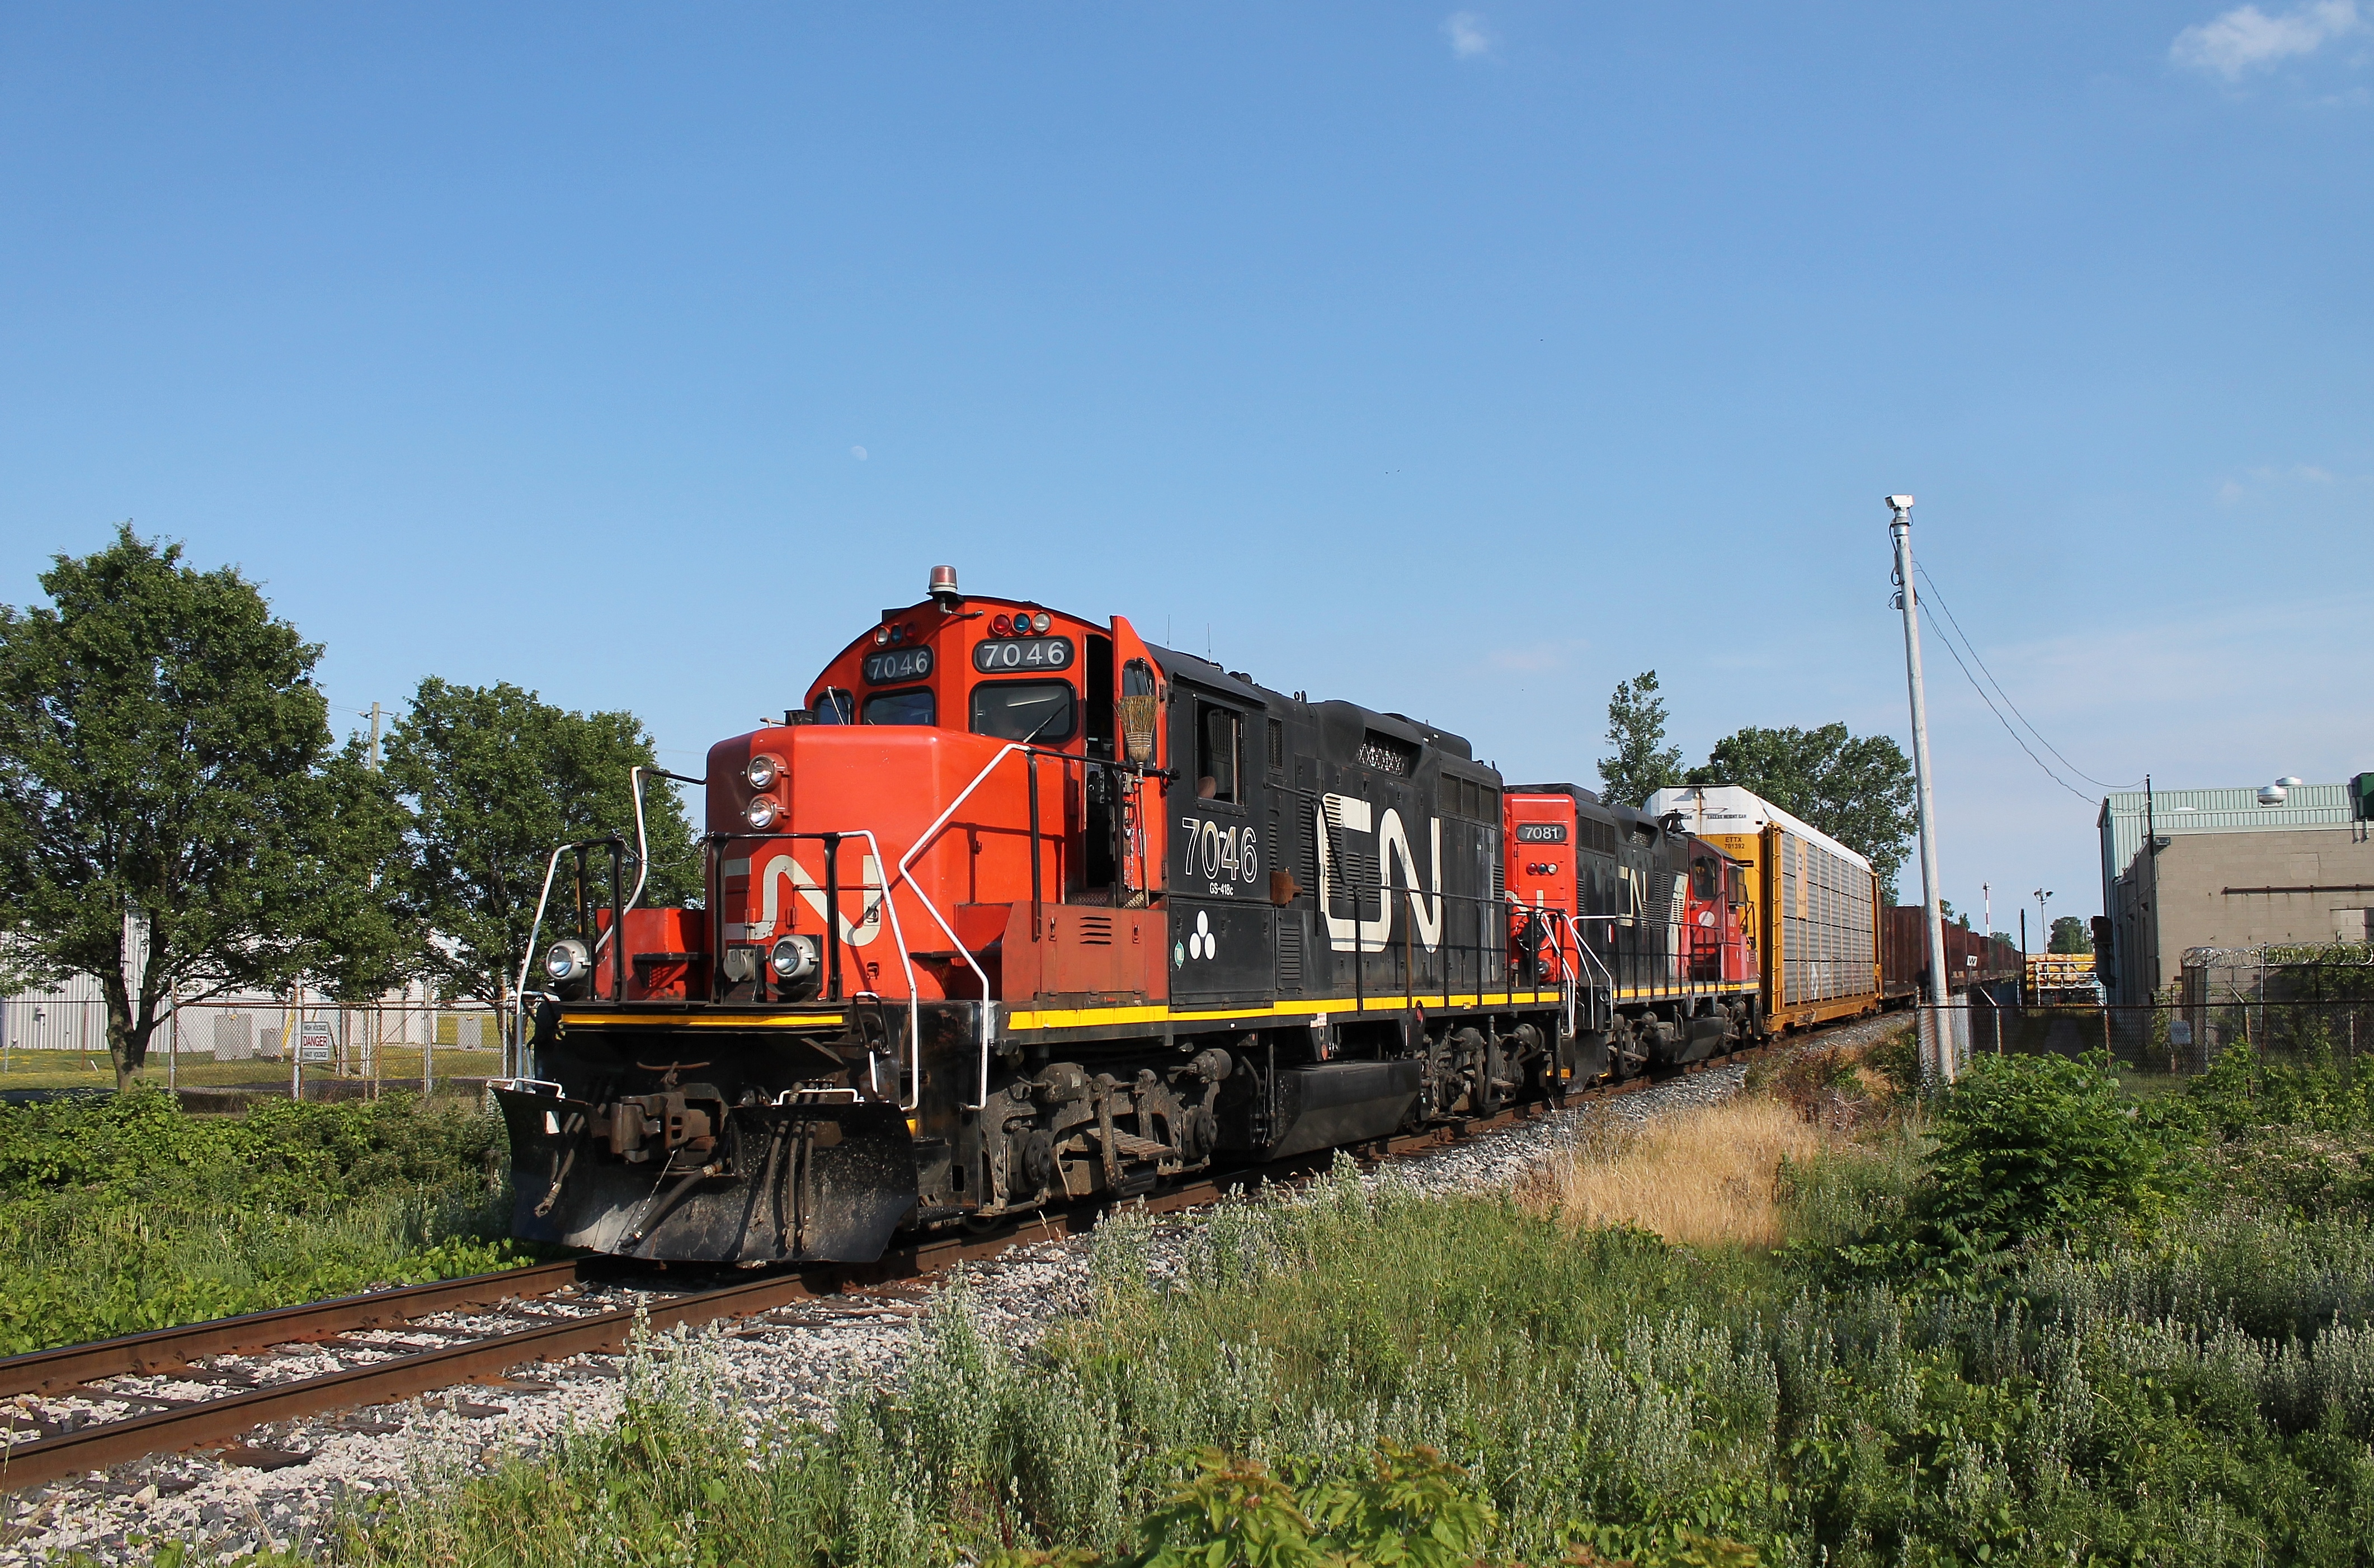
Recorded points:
(518, 1031)
(1591, 958)
(1568, 975)
(906, 967)
(923, 841)
(897, 939)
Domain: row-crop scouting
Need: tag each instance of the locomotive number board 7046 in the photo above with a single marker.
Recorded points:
(898, 664)
(1020, 654)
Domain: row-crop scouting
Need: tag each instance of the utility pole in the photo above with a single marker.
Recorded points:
(374, 738)
(2043, 926)
(1939, 1062)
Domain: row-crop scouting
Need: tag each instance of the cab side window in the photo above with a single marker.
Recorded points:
(1220, 752)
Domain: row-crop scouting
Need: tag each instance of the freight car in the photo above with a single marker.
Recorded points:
(1814, 903)
(1016, 909)
(1972, 958)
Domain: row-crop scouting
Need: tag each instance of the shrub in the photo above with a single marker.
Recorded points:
(125, 1214)
(2025, 1147)
(2038, 1145)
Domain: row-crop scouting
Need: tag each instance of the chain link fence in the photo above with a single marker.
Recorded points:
(2281, 1002)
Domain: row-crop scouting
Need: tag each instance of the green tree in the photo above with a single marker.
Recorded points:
(1643, 763)
(1856, 788)
(169, 821)
(497, 777)
(2070, 935)
(366, 941)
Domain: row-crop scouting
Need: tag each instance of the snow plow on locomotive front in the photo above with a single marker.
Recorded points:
(1015, 911)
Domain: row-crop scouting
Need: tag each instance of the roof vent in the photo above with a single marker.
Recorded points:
(2273, 794)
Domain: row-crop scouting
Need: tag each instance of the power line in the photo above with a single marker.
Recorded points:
(2002, 720)
(1982, 663)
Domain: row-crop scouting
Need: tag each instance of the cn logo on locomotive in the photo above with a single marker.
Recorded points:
(1340, 815)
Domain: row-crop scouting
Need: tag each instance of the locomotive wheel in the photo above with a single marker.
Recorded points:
(1487, 1066)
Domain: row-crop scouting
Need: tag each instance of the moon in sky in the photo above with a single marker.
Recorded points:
(857, 452)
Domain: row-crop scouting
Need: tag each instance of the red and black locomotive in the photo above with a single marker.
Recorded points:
(1016, 909)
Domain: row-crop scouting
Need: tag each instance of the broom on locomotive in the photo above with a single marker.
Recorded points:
(1019, 910)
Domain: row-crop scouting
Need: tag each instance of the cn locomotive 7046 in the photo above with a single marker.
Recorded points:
(1016, 909)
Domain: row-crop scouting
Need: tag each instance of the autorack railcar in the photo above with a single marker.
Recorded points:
(1815, 905)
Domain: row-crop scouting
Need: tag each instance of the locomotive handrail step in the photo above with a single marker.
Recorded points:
(1130, 1146)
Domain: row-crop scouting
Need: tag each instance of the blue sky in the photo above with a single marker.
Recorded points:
(1458, 362)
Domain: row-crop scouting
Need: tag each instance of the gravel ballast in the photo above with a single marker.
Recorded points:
(796, 1362)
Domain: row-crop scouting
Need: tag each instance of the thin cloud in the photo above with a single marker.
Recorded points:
(1470, 40)
(2246, 38)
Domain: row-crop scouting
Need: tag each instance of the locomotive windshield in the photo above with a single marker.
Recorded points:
(899, 708)
(1038, 711)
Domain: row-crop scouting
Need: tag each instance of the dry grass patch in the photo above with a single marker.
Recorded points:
(1697, 1177)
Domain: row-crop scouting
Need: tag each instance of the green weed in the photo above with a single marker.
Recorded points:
(125, 1214)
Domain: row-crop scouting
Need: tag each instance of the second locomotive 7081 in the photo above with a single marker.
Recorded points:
(1016, 909)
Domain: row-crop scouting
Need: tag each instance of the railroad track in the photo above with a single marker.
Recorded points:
(208, 1384)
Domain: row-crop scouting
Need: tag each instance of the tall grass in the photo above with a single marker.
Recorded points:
(79, 1267)
(1710, 1176)
(2184, 1385)
(1598, 1386)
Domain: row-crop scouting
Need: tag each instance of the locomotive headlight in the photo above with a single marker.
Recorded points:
(762, 813)
(793, 958)
(567, 962)
(763, 771)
